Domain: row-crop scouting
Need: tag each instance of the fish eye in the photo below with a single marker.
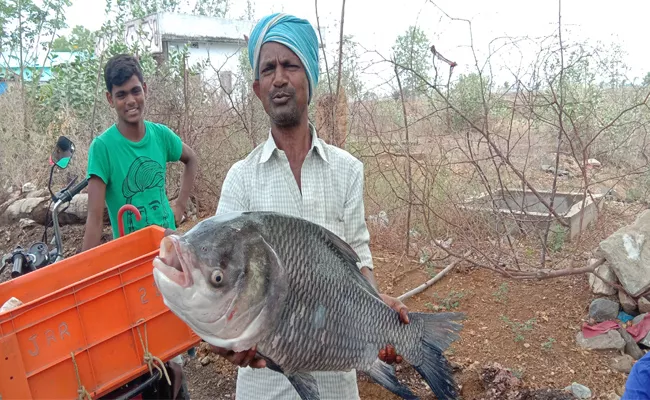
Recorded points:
(217, 277)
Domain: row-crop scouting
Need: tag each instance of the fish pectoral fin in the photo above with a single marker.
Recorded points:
(384, 375)
(270, 364)
(305, 384)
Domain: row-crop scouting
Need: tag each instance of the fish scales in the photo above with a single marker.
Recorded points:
(350, 324)
(343, 328)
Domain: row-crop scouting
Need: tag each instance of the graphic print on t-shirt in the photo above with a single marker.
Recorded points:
(144, 188)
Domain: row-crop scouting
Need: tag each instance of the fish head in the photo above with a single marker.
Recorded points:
(223, 279)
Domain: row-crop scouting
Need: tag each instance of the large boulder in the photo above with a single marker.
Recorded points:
(611, 340)
(33, 208)
(36, 209)
(77, 211)
(629, 256)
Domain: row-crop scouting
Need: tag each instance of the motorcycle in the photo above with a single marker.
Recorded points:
(22, 261)
(37, 255)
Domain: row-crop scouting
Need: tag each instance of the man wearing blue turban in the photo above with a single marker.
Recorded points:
(296, 173)
(296, 34)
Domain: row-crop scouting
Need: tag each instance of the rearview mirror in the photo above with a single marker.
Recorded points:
(62, 153)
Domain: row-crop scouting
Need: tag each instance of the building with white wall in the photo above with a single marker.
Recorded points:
(217, 40)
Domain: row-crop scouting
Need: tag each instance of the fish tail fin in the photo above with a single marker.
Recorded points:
(440, 330)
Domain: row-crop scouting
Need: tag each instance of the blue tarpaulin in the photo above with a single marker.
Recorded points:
(624, 317)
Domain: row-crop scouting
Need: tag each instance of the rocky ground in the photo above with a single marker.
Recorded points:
(521, 339)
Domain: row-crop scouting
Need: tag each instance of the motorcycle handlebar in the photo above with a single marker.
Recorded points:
(17, 268)
(78, 188)
(67, 195)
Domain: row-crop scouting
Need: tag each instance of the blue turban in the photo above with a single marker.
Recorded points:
(295, 33)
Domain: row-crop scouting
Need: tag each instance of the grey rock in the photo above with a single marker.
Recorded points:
(629, 256)
(638, 318)
(611, 340)
(37, 193)
(592, 162)
(578, 390)
(205, 361)
(612, 396)
(76, 212)
(602, 309)
(36, 208)
(644, 305)
(627, 303)
(27, 223)
(631, 347)
(25, 206)
(597, 285)
(622, 363)
(28, 187)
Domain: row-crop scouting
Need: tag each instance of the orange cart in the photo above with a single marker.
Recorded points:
(88, 324)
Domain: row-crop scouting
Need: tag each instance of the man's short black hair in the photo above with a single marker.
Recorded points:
(119, 69)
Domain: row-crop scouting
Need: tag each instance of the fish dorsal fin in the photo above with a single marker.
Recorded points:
(351, 259)
(345, 250)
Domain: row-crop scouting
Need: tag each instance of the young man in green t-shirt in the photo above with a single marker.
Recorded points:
(127, 163)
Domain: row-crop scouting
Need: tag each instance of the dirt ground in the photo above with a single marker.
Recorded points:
(541, 350)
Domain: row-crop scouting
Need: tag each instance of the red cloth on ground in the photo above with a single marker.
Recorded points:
(638, 331)
(589, 331)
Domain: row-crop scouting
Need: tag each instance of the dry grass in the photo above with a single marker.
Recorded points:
(421, 184)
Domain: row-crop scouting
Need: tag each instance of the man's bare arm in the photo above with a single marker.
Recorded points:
(188, 157)
(94, 221)
(370, 276)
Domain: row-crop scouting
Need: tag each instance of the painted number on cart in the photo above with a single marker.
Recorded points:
(143, 293)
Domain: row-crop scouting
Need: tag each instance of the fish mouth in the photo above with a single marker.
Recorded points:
(169, 262)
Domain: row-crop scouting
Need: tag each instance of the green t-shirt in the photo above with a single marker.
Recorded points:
(134, 173)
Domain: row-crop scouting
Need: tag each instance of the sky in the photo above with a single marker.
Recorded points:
(376, 24)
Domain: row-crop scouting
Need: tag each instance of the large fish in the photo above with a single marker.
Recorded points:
(293, 288)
